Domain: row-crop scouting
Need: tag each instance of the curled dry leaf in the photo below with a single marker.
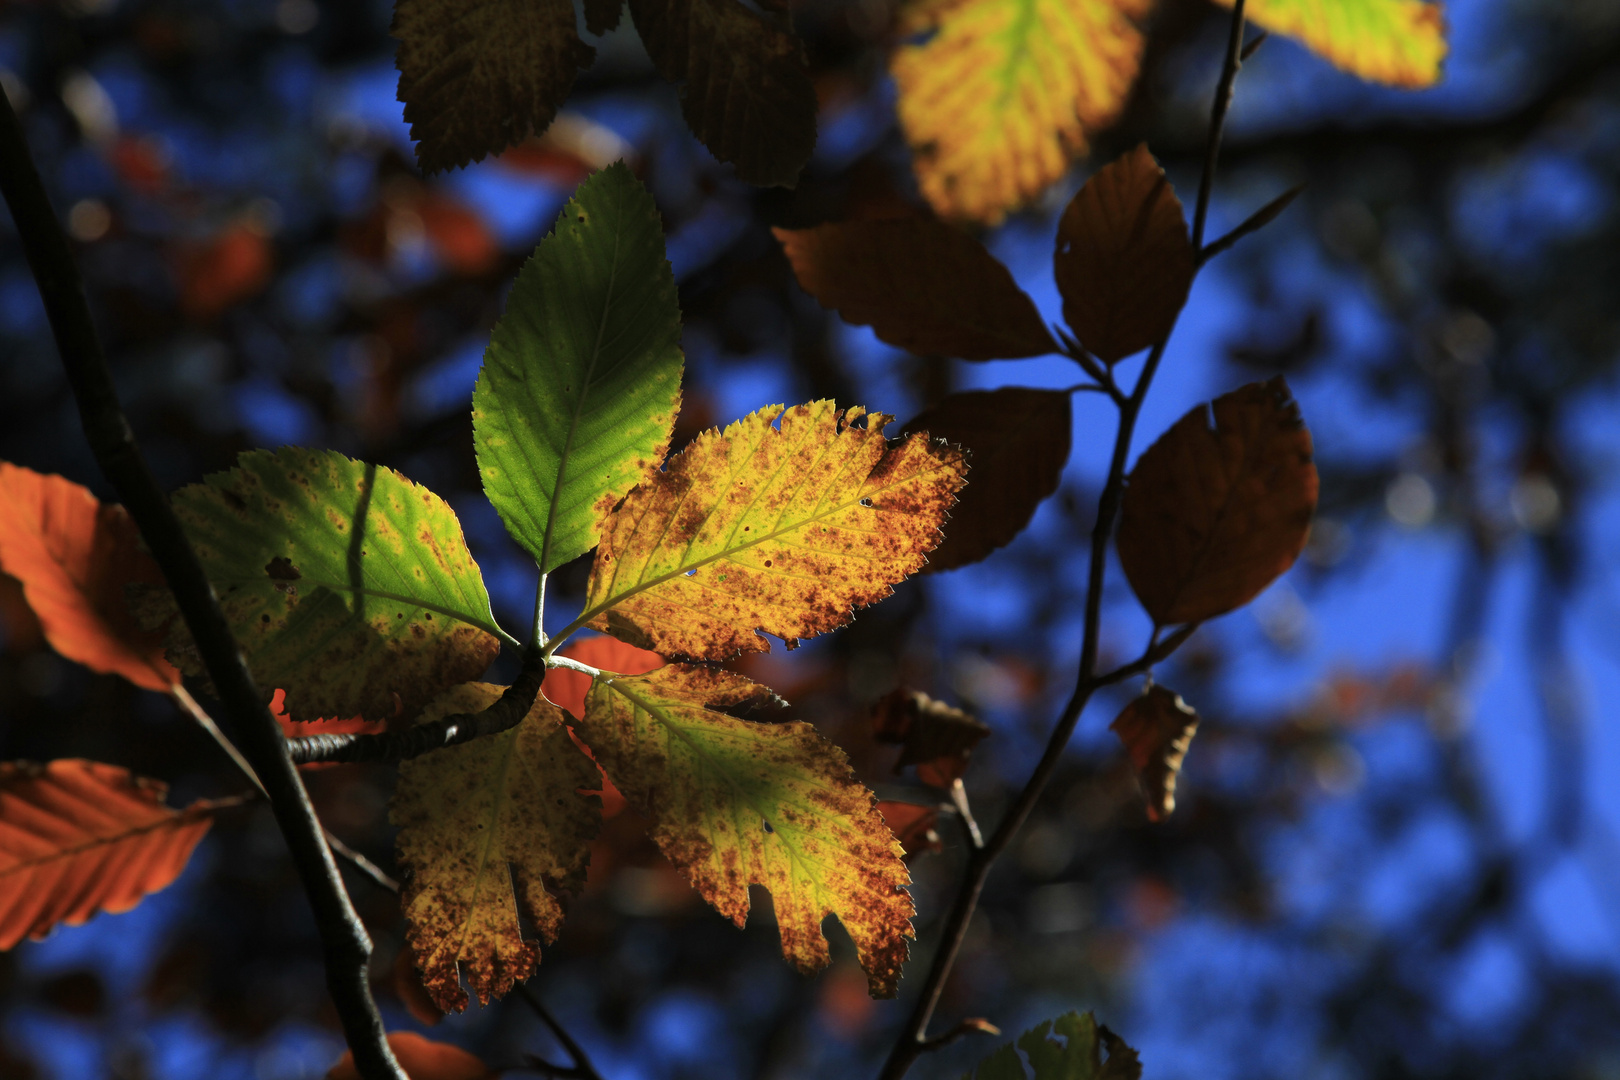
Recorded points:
(784, 530)
(489, 830)
(422, 1059)
(79, 837)
(1212, 515)
(1157, 728)
(1124, 261)
(1078, 1056)
(1398, 42)
(736, 803)
(921, 285)
(913, 826)
(1018, 442)
(74, 558)
(935, 737)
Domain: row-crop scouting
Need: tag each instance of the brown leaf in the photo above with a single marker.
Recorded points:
(74, 556)
(1156, 729)
(747, 97)
(913, 826)
(1211, 516)
(1123, 261)
(1019, 442)
(411, 992)
(920, 285)
(935, 736)
(422, 1059)
(477, 76)
(80, 837)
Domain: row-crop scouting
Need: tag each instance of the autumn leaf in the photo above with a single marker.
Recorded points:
(567, 689)
(295, 729)
(73, 557)
(1398, 42)
(490, 830)
(746, 93)
(79, 837)
(737, 802)
(921, 285)
(1157, 728)
(936, 737)
(998, 101)
(1124, 261)
(477, 76)
(422, 1059)
(1077, 1057)
(913, 826)
(1213, 515)
(1018, 443)
(582, 379)
(782, 530)
(345, 583)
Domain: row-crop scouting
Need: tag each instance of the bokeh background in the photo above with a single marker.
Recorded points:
(1396, 849)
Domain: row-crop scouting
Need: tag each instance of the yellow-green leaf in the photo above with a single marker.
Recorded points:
(784, 530)
(347, 585)
(1399, 42)
(489, 830)
(999, 100)
(737, 802)
(1077, 1057)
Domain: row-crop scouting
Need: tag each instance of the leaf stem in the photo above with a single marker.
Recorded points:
(345, 943)
(914, 1037)
(581, 1067)
(537, 636)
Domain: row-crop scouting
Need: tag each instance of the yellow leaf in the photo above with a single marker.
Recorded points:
(737, 802)
(998, 102)
(781, 530)
(1399, 42)
(468, 812)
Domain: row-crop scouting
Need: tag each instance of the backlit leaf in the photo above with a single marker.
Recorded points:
(936, 737)
(477, 76)
(1124, 261)
(920, 285)
(1018, 443)
(345, 583)
(1157, 728)
(759, 528)
(421, 1058)
(999, 100)
(1077, 1057)
(1212, 515)
(73, 557)
(78, 838)
(737, 802)
(489, 830)
(747, 95)
(913, 826)
(1399, 42)
(582, 378)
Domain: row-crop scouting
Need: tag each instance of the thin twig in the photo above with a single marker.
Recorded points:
(582, 1067)
(1253, 223)
(344, 940)
(973, 1025)
(914, 1038)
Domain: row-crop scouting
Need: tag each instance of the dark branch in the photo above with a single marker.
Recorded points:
(582, 1069)
(395, 746)
(343, 938)
(1253, 223)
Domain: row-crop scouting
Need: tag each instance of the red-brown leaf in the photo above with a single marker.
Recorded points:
(920, 285)
(567, 689)
(422, 1059)
(936, 737)
(913, 826)
(80, 837)
(1124, 261)
(74, 556)
(1019, 439)
(1157, 728)
(1211, 516)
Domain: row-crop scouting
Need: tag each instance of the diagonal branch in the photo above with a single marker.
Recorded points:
(345, 943)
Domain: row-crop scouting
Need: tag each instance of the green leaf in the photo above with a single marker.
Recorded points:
(1078, 1057)
(738, 802)
(346, 584)
(582, 379)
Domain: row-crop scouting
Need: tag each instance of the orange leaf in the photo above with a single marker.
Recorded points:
(421, 1058)
(913, 826)
(458, 234)
(1018, 441)
(74, 556)
(920, 285)
(1213, 515)
(1157, 728)
(79, 837)
(1124, 261)
(567, 689)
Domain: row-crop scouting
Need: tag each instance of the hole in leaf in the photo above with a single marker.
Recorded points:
(767, 826)
(866, 502)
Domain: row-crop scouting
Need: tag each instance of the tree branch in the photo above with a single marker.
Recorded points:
(344, 941)
(395, 746)
(582, 1069)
